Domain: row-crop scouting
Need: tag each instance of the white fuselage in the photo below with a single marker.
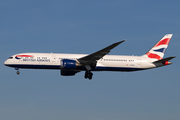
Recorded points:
(107, 63)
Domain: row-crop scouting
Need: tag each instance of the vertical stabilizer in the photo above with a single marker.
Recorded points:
(157, 52)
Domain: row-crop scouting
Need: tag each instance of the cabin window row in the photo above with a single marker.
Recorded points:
(69, 58)
(117, 60)
(113, 60)
(42, 57)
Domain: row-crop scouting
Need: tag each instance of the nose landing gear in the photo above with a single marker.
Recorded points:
(17, 71)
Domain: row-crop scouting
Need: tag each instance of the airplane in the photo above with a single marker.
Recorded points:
(70, 64)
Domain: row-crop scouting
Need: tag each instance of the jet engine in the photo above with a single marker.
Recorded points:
(68, 64)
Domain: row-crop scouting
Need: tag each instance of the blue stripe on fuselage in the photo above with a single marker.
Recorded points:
(98, 68)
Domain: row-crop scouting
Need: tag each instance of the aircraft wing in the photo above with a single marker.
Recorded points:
(91, 58)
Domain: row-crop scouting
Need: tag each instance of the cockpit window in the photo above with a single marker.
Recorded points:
(10, 57)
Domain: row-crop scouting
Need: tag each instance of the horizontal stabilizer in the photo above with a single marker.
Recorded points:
(164, 60)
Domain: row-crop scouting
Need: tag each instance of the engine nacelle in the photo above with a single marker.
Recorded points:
(68, 72)
(68, 64)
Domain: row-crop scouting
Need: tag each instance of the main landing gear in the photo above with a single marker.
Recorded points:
(88, 74)
(17, 71)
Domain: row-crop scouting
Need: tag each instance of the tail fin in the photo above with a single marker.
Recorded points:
(157, 52)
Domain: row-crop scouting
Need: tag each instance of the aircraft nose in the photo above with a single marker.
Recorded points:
(6, 62)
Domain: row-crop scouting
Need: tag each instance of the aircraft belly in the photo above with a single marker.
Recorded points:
(116, 66)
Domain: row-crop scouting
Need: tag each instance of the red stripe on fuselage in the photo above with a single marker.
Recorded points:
(24, 56)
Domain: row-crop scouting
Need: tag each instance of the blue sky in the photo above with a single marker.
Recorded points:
(84, 27)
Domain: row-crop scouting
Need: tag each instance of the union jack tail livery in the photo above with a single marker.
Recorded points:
(157, 52)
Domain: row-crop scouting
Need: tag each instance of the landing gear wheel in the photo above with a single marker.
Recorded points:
(88, 74)
(18, 72)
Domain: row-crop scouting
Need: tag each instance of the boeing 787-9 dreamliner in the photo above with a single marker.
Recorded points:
(70, 64)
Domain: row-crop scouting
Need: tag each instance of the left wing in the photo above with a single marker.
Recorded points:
(92, 58)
